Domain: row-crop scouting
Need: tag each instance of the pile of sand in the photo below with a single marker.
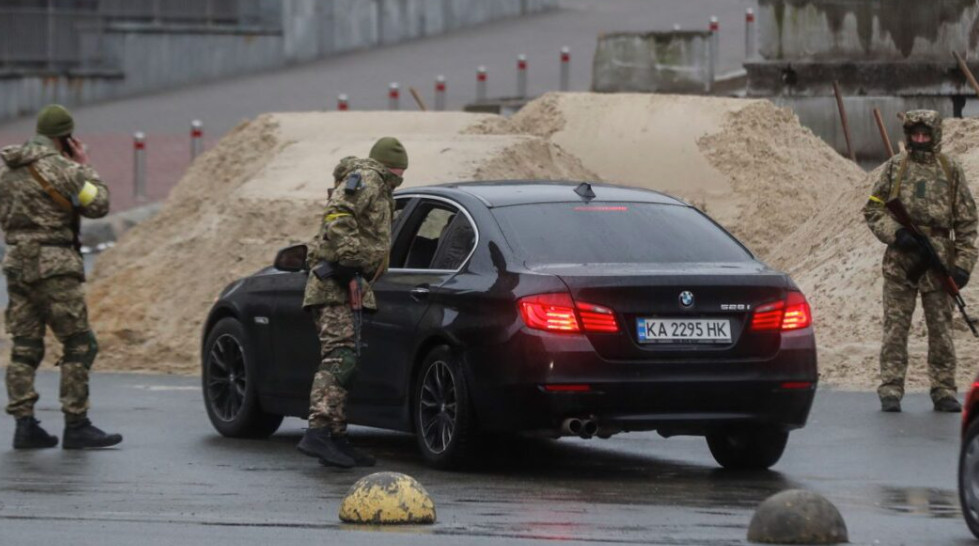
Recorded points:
(751, 165)
(747, 162)
(836, 260)
(262, 188)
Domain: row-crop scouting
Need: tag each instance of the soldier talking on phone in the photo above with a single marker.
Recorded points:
(46, 186)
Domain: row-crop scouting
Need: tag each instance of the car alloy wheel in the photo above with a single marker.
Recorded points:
(227, 377)
(438, 407)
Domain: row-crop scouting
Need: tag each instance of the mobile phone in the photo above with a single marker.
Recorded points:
(67, 147)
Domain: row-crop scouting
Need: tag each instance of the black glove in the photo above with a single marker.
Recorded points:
(905, 241)
(960, 276)
(344, 274)
(333, 270)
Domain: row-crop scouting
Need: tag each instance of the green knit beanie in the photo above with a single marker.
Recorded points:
(55, 121)
(389, 152)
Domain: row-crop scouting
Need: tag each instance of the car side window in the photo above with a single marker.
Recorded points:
(436, 236)
(399, 207)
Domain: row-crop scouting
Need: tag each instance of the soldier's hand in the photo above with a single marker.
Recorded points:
(78, 153)
(960, 276)
(905, 241)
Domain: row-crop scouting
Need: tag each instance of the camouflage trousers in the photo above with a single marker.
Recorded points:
(58, 303)
(327, 400)
(899, 303)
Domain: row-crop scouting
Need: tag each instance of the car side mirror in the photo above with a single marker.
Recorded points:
(291, 258)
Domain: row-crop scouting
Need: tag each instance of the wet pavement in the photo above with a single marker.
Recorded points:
(175, 481)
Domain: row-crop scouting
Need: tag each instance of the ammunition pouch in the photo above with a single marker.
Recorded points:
(81, 348)
(345, 367)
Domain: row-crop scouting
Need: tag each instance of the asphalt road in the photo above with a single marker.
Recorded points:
(175, 481)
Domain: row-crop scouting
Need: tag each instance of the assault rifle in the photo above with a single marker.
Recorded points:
(931, 258)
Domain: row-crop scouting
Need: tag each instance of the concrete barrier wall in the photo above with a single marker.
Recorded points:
(665, 62)
(820, 114)
(878, 30)
(146, 59)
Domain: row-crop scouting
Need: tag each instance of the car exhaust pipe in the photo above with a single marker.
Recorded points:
(571, 426)
(588, 428)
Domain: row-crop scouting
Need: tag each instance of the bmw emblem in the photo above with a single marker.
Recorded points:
(686, 299)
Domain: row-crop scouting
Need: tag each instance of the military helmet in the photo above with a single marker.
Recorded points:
(390, 152)
(927, 119)
(55, 121)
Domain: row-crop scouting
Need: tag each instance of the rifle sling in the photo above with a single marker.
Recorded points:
(943, 161)
(53, 193)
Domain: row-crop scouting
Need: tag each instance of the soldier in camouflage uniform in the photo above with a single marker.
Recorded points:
(354, 240)
(44, 185)
(934, 190)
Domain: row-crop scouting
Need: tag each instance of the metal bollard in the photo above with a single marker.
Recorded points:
(565, 68)
(481, 77)
(343, 103)
(749, 34)
(196, 139)
(521, 76)
(715, 28)
(394, 96)
(139, 166)
(440, 93)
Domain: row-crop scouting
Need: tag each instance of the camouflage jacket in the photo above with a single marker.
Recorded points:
(355, 231)
(933, 201)
(37, 230)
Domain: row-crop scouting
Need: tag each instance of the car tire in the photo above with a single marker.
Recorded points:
(445, 426)
(969, 477)
(747, 449)
(230, 397)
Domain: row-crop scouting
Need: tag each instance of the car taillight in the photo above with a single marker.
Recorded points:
(797, 312)
(559, 313)
(791, 314)
(970, 402)
(551, 312)
(596, 318)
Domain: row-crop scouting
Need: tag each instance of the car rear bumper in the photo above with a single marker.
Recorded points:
(693, 396)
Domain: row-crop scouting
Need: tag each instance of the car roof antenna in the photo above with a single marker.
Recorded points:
(584, 190)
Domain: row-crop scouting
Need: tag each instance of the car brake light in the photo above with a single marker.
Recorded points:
(768, 317)
(596, 318)
(970, 400)
(559, 313)
(791, 314)
(550, 312)
(797, 312)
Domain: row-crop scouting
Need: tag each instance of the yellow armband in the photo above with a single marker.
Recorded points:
(88, 194)
(877, 200)
(336, 216)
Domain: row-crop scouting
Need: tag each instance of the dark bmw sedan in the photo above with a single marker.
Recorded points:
(555, 309)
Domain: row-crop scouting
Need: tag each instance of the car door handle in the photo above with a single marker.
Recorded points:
(419, 293)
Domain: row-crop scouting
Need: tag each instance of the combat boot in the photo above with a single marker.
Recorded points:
(84, 435)
(948, 405)
(30, 435)
(359, 457)
(319, 443)
(890, 404)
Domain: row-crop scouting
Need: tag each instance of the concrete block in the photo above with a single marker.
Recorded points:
(669, 62)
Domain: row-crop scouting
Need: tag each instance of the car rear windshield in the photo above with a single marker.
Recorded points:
(577, 233)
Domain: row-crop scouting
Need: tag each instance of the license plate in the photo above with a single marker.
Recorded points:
(657, 330)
